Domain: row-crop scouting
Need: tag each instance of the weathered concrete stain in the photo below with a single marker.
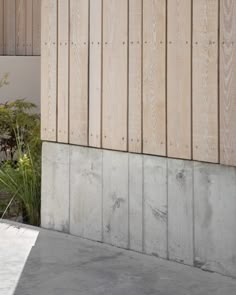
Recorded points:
(159, 214)
(117, 203)
(212, 187)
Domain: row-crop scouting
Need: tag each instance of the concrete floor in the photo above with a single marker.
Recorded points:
(60, 264)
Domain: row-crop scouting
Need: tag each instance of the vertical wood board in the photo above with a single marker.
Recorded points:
(135, 76)
(20, 27)
(115, 74)
(228, 82)
(1, 27)
(49, 71)
(154, 76)
(95, 73)
(29, 28)
(9, 27)
(36, 26)
(205, 80)
(179, 79)
(79, 37)
(63, 72)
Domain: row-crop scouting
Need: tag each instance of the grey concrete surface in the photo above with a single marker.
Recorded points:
(181, 210)
(55, 187)
(61, 264)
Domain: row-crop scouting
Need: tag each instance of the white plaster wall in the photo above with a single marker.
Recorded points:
(24, 78)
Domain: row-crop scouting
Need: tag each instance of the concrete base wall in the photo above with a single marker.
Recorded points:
(180, 210)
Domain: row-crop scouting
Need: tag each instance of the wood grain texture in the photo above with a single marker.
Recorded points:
(36, 26)
(155, 206)
(115, 75)
(9, 27)
(63, 72)
(205, 80)
(115, 198)
(49, 71)
(154, 71)
(1, 27)
(180, 211)
(135, 76)
(179, 79)
(79, 25)
(86, 192)
(20, 27)
(95, 74)
(228, 82)
(29, 28)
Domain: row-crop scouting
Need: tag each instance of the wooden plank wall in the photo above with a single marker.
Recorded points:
(179, 79)
(228, 82)
(144, 76)
(20, 27)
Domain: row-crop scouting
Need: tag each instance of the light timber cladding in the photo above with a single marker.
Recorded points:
(1, 27)
(9, 27)
(29, 27)
(20, 27)
(179, 78)
(154, 67)
(95, 73)
(63, 71)
(228, 82)
(115, 76)
(79, 38)
(135, 76)
(49, 71)
(205, 80)
(36, 26)
(144, 76)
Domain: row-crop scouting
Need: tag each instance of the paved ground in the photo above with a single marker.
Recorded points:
(64, 265)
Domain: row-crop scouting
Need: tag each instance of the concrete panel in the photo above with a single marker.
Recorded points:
(155, 206)
(21, 86)
(55, 187)
(215, 218)
(180, 211)
(86, 192)
(136, 202)
(122, 199)
(115, 198)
